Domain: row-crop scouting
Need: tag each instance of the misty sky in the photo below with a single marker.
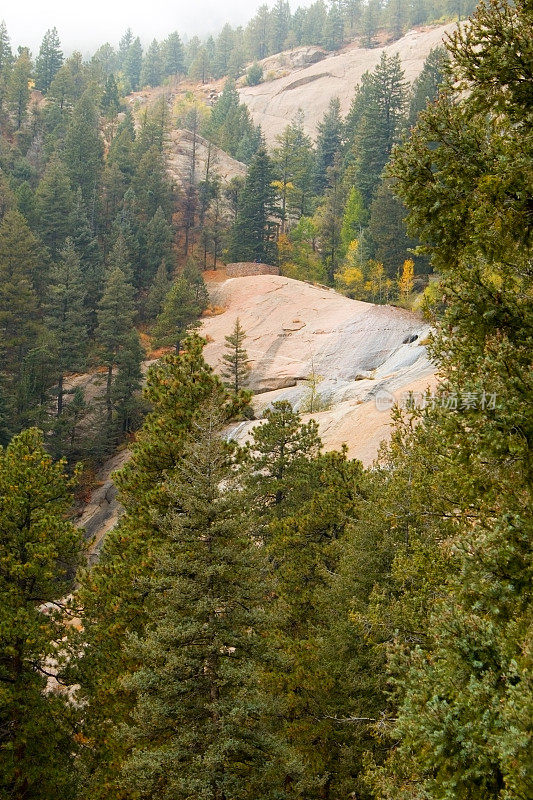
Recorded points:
(83, 26)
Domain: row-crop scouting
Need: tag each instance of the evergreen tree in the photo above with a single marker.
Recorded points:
(84, 149)
(48, 61)
(6, 63)
(177, 389)
(281, 20)
(159, 242)
(40, 551)
(390, 244)
(133, 65)
(279, 455)
(173, 63)
(334, 29)
(18, 92)
(127, 383)
(158, 291)
(427, 85)
(180, 311)
(251, 238)
(236, 366)
(293, 163)
(54, 201)
(6, 54)
(116, 313)
(330, 219)
(457, 594)
(203, 656)
(110, 102)
(200, 69)
(329, 141)
(66, 316)
(88, 249)
(380, 123)
(22, 253)
(151, 72)
(19, 306)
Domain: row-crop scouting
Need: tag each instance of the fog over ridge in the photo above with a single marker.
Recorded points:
(85, 27)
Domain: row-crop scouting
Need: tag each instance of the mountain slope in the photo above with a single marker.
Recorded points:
(362, 355)
(273, 104)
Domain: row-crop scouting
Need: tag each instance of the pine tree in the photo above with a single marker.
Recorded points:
(6, 63)
(330, 219)
(6, 54)
(177, 388)
(39, 553)
(116, 313)
(251, 238)
(279, 455)
(427, 85)
(179, 313)
(293, 163)
(208, 635)
(110, 102)
(91, 261)
(54, 201)
(48, 61)
(329, 141)
(157, 292)
(127, 383)
(18, 92)
(151, 72)
(66, 316)
(172, 56)
(236, 366)
(159, 241)
(334, 29)
(133, 65)
(281, 14)
(200, 69)
(457, 595)
(84, 149)
(380, 124)
(19, 305)
(390, 244)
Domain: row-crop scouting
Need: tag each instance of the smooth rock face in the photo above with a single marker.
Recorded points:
(273, 104)
(359, 355)
(180, 159)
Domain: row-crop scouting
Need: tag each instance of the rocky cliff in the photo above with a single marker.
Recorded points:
(307, 79)
(319, 350)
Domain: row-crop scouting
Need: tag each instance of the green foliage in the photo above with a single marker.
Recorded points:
(202, 658)
(329, 141)
(380, 118)
(252, 235)
(48, 61)
(179, 313)
(66, 317)
(279, 456)
(84, 148)
(39, 553)
(18, 92)
(236, 367)
(254, 75)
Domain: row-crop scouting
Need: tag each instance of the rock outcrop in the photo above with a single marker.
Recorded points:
(274, 103)
(180, 159)
(359, 357)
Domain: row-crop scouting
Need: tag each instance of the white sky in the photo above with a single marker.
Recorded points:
(84, 26)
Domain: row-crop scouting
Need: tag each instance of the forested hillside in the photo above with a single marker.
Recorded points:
(267, 619)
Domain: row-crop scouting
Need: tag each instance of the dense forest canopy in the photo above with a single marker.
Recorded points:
(268, 620)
